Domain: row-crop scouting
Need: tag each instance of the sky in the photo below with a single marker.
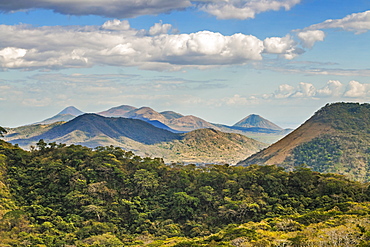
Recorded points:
(219, 60)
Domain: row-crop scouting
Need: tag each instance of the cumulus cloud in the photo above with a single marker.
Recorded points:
(116, 43)
(332, 88)
(159, 28)
(310, 37)
(244, 9)
(357, 23)
(222, 9)
(116, 25)
(285, 46)
(11, 56)
(356, 89)
(283, 91)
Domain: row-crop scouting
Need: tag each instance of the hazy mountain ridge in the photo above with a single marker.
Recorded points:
(335, 139)
(200, 146)
(258, 129)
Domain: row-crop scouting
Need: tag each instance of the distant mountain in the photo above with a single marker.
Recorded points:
(256, 121)
(71, 110)
(335, 139)
(28, 131)
(171, 115)
(65, 115)
(118, 111)
(258, 127)
(173, 121)
(189, 123)
(200, 146)
(146, 113)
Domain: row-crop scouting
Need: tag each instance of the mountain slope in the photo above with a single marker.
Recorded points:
(71, 110)
(28, 131)
(118, 111)
(65, 115)
(146, 113)
(93, 125)
(171, 115)
(200, 146)
(335, 139)
(254, 120)
(189, 123)
(214, 146)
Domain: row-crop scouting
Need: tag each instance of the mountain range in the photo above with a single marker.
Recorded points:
(253, 126)
(168, 134)
(141, 137)
(335, 139)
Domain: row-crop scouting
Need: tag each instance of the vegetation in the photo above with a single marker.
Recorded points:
(198, 146)
(58, 195)
(2, 131)
(336, 139)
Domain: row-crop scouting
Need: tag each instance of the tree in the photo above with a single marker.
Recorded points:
(2, 131)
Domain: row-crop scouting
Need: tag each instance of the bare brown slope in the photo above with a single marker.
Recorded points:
(278, 152)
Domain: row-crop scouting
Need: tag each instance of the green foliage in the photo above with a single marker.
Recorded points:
(58, 195)
(321, 154)
(2, 131)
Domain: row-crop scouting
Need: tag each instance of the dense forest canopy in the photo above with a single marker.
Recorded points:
(58, 195)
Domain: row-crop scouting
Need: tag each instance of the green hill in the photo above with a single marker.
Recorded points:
(335, 139)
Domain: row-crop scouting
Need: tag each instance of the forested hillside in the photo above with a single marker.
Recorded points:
(335, 139)
(58, 195)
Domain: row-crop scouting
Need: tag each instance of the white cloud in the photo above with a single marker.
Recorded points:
(278, 45)
(244, 9)
(236, 100)
(310, 37)
(11, 57)
(305, 90)
(357, 23)
(356, 89)
(116, 25)
(285, 46)
(283, 91)
(333, 88)
(115, 43)
(159, 28)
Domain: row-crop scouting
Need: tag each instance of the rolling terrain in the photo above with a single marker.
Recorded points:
(252, 126)
(198, 146)
(335, 139)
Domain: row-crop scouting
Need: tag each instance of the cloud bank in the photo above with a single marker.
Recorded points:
(357, 23)
(333, 89)
(222, 9)
(116, 43)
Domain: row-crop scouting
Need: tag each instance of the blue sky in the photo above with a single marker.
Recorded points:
(220, 60)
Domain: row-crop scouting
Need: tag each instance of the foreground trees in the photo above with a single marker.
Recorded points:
(59, 195)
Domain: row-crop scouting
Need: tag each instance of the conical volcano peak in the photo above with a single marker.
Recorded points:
(71, 110)
(255, 120)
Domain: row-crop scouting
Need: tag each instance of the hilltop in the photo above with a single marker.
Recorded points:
(253, 126)
(65, 115)
(254, 120)
(335, 139)
(141, 137)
